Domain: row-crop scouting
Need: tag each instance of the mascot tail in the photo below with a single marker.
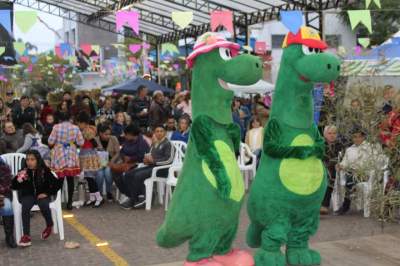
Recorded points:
(168, 240)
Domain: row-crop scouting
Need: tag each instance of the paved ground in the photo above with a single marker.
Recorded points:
(347, 241)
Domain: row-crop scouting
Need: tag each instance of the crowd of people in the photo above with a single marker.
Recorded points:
(105, 141)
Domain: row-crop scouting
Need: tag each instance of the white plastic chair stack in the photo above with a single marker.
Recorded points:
(180, 148)
(14, 160)
(248, 170)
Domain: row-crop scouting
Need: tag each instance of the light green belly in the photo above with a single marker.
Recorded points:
(302, 177)
(229, 162)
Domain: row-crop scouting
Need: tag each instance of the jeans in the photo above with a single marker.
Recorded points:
(6, 210)
(104, 176)
(27, 203)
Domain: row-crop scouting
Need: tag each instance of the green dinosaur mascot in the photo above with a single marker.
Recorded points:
(290, 183)
(207, 200)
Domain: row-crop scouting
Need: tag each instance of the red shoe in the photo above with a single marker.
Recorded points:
(25, 241)
(236, 258)
(203, 262)
(46, 232)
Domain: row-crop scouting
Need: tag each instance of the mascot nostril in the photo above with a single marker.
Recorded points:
(329, 66)
(338, 68)
(257, 65)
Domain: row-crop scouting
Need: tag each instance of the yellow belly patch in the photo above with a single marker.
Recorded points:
(231, 167)
(302, 177)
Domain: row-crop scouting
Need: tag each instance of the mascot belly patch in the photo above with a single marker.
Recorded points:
(309, 178)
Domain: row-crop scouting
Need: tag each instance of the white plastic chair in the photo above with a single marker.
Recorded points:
(248, 170)
(172, 180)
(180, 148)
(14, 160)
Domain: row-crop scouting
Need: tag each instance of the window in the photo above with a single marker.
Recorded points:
(73, 36)
(333, 41)
(277, 41)
(66, 37)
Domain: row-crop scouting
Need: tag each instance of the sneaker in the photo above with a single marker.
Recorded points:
(127, 205)
(46, 232)
(98, 203)
(90, 202)
(141, 203)
(110, 197)
(25, 241)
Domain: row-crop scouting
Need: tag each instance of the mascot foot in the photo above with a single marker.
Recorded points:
(235, 258)
(203, 262)
(269, 258)
(303, 256)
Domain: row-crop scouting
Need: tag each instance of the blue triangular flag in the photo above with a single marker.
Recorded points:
(292, 20)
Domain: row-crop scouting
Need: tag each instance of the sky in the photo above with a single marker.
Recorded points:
(39, 35)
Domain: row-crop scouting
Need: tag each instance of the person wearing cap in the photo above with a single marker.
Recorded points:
(24, 113)
(159, 111)
(10, 101)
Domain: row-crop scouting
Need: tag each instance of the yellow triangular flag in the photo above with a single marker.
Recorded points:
(377, 3)
(360, 16)
(25, 20)
(365, 42)
(2, 50)
(96, 48)
(182, 18)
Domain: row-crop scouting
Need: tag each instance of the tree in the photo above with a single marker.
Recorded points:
(385, 21)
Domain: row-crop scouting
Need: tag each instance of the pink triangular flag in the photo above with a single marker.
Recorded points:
(134, 48)
(146, 46)
(58, 51)
(222, 18)
(260, 47)
(130, 17)
(86, 48)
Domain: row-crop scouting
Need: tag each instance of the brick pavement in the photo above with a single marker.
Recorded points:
(131, 235)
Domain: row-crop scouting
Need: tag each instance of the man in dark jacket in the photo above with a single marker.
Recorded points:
(139, 107)
(24, 114)
(159, 110)
(161, 153)
(5, 203)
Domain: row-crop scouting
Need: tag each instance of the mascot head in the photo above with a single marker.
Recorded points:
(216, 65)
(304, 52)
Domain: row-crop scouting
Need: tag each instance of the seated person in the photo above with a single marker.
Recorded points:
(12, 139)
(170, 127)
(161, 153)
(358, 161)
(131, 154)
(5, 204)
(118, 126)
(182, 134)
(254, 137)
(35, 185)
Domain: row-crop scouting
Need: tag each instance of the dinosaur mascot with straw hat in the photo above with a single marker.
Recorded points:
(206, 203)
(290, 183)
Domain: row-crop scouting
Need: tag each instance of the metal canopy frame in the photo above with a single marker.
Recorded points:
(155, 15)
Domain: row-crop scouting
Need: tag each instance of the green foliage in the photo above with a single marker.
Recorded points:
(385, 21)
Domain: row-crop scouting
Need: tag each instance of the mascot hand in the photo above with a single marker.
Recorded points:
(319, 151)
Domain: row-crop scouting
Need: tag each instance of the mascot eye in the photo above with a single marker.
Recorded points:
(308, 50)
(225, 53)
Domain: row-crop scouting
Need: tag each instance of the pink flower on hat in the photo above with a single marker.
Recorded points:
(211, 39)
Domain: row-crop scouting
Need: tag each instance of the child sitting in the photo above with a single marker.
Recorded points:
(35, 185)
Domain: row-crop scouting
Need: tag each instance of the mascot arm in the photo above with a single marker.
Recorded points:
(202, 136)
(319, 146)
(234, 133)
(272, 144)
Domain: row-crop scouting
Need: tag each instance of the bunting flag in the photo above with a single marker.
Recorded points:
(358, 50)
(57, 51)
(24, 59)
(86, 48)
(169, 48)
(377, 3)
(118, 45)
(260, 47)
(292, 20)
(365, 42)
(96, 49)
(360, 16)
(146, 46)
(222, 18)
(182, 18)
(134, 48)
(25, 20)
(65, 49)
(2, 49)
(19, 47)
(128, 17)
